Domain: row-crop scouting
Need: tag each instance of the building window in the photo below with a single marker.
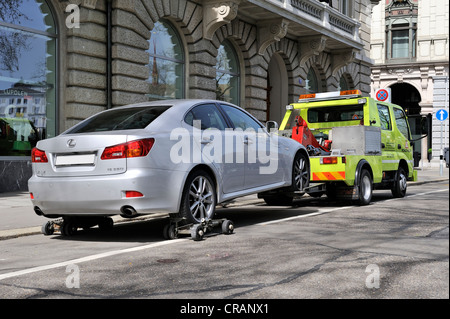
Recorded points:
(401, 28)
(166, 63)
(312, 84)
(227, 74)
(28, 44)
(343, 85)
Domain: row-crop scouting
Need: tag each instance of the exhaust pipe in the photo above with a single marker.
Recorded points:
(38, 211)
(128, 212)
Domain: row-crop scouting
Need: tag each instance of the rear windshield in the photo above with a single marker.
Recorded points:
(335, 114)
(120, 119)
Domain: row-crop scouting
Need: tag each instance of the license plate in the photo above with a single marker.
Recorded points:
(84, 159)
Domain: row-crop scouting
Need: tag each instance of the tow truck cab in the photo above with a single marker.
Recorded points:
(356, 144)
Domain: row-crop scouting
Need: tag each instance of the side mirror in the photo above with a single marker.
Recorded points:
(420, 125)
(271, 126)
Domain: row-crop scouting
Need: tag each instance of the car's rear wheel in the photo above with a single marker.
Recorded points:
(199, 198)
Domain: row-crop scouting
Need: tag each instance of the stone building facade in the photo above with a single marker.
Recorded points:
(410, 48)
(99, 54)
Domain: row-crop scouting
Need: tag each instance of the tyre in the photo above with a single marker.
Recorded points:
(227, 227)
(48, 229)
(300, 172)
(197, 232)
(199, 198)
(365, 188)
(399, 187)
(170, 232)
(69, 228)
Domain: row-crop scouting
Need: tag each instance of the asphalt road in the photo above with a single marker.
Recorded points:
(393, 248)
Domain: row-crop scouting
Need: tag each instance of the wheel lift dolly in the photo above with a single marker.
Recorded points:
(69, 226)
(197, 231)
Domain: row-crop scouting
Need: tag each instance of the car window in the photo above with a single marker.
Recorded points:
(334, 114)
(120, 119)
(402, 124)
(208, 115)
(385, 118)
(240, 119)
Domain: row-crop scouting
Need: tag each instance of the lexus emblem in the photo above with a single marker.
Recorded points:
(71, 143)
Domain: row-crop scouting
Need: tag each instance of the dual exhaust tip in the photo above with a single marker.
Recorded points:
(126, 211)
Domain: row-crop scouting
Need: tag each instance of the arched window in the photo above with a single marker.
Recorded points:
(166, 63)
(312, 84)
(227, 74)
(28, 44)
(343, 84)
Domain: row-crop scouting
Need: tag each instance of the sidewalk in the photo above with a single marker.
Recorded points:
(17, 217)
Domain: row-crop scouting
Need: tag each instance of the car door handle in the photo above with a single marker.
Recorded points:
(248, 140)
(205, 140)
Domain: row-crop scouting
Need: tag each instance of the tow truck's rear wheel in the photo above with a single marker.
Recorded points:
(399, 187)
(365, 188)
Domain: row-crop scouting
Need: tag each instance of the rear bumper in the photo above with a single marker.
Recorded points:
(105, 195)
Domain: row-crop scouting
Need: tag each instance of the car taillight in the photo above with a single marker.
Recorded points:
(131, 194)
(131, 149)
(38, 156)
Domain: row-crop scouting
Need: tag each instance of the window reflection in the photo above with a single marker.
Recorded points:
(166, 63)
(312, 85)
(227, 74)
(27, 75)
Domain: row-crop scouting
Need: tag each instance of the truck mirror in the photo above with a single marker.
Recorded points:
(420, 125)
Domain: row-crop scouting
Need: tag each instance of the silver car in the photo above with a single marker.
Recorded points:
(182, 157)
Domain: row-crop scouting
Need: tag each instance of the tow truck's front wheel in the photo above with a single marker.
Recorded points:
(399, 187)
(365, 188)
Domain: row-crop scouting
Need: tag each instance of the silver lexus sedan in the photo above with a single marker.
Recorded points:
(182, 157)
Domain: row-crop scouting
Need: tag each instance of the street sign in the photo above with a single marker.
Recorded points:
(441, 114)
(383, 95)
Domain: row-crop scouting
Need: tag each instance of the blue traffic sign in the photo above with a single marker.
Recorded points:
(441, 114)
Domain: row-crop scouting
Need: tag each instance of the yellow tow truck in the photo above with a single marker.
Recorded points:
(356, 144)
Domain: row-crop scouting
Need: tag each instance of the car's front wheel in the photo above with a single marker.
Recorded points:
(199, 198)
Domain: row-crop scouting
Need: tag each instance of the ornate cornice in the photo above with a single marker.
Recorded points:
(270, 31)
(216, 13)
(311, 46)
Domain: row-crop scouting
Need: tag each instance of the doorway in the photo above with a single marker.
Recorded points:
(277, 89)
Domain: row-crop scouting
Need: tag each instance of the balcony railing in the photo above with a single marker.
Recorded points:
(321, 14)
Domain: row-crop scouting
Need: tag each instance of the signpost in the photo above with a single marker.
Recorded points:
(383, 95)
(442, 115)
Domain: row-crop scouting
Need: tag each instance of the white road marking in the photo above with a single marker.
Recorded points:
(87, 258)
(170, 242)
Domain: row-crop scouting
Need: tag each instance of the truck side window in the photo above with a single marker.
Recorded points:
(402, 123)
(385, 118)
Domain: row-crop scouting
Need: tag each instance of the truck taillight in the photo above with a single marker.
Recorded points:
(38, 156)
(329, 160)
(131, 149)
